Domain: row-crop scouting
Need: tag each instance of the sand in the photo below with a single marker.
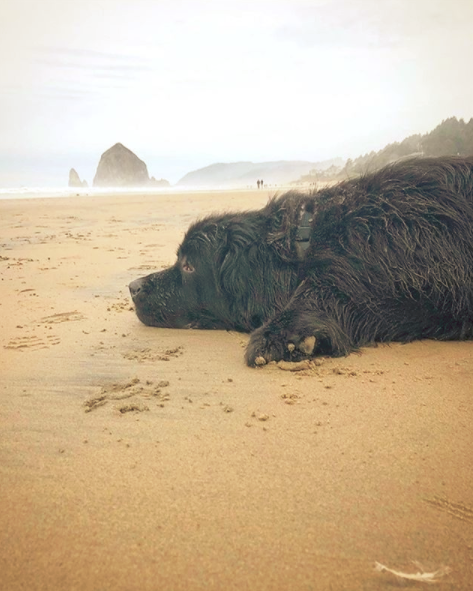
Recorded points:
(135, 458)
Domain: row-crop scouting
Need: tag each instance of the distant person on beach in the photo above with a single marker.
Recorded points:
(257, 182)
(261, 183)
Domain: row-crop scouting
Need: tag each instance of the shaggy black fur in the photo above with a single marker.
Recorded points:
(390, 259)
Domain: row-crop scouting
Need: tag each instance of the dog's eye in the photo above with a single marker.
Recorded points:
(187, 267)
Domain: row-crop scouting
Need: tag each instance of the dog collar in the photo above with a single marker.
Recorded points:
(303, 232)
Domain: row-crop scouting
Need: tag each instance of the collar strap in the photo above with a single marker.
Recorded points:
(303, 232)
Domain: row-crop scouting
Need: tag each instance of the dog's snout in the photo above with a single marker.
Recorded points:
(135, 287)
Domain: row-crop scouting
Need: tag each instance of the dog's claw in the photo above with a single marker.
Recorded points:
(307, 346)
(291, 347)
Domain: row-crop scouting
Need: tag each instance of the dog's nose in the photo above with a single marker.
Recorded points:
(135, 287)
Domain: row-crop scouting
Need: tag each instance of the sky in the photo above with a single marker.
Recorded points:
(184, 84)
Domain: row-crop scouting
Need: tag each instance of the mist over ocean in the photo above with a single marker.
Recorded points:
(61, 192)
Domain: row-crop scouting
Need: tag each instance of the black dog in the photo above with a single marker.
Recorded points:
(385, 257)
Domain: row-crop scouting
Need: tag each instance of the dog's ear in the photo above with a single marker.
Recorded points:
(237, 258)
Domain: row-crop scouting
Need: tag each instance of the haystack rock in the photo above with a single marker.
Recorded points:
(74, 179)
(119, 167)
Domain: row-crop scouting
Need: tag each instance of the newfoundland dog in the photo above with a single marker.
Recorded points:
(385, 257)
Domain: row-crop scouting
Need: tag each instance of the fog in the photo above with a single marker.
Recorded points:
(184, 84)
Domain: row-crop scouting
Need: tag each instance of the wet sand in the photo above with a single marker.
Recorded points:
(134, 458)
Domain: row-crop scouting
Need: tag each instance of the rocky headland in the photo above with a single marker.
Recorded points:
(230, 175)
(74, 179)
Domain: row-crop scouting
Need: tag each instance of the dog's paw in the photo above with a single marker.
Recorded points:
(305, 346)
(268, 345)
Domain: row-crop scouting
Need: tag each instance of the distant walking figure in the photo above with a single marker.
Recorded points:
(261, 183)
(257, 182)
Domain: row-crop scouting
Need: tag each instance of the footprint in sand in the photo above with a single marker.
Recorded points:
(142, 355)
(126, 390)
(145, 267)
(458, 510)
(62, 317)
(33, 343)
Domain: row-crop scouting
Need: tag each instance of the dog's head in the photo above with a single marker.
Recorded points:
(216, 282)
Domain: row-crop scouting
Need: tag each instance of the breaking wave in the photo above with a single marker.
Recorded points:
(53, 192)
(47, 192)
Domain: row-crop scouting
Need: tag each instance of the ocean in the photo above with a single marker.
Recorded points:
(52, 192)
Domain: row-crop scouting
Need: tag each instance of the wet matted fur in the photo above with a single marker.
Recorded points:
(390, 258)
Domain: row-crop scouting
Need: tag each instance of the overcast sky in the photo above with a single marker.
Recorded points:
(187, 83)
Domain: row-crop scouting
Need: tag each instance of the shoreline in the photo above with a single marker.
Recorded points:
(98, 192)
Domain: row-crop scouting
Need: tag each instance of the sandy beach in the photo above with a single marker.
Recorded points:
(136, 458)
